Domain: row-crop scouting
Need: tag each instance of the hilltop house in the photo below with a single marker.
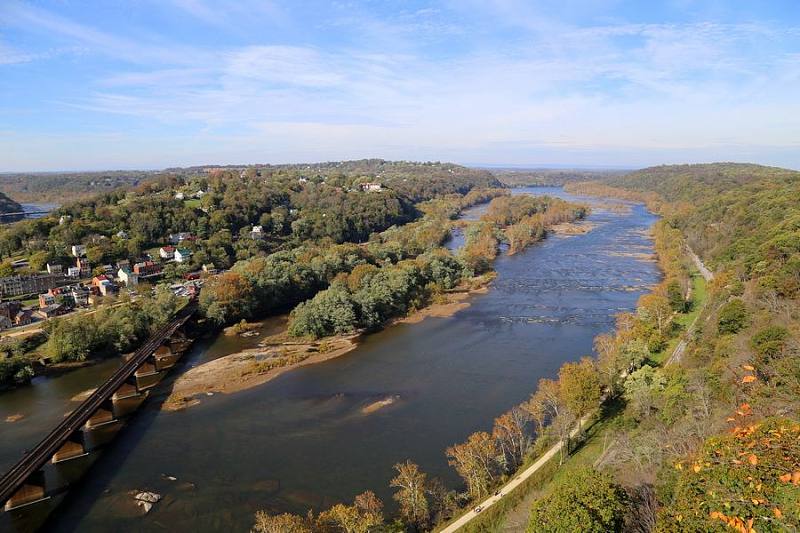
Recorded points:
(257, 233)
(177, 238)
(54, 268)
(166, 252)
(182, 255)
(371, 187)
(78, 250)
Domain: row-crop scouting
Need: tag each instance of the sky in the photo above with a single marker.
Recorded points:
(124, 84)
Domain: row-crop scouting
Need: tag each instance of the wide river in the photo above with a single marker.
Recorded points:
(303, 442)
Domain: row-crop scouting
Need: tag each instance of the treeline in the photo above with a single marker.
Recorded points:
(711, 443)
(293, 204)
(550, 177)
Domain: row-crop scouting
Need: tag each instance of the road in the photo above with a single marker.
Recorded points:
(518, 480)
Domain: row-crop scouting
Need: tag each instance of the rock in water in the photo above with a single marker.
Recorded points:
(146, 499)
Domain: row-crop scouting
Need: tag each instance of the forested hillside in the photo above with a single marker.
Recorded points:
(710, 440)
(342, 202)
(550, 177)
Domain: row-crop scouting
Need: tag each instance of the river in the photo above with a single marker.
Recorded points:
(302, 440)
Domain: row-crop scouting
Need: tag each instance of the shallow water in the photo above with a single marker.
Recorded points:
(302, 440)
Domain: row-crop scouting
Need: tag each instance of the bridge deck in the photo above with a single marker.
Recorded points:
(41, 454)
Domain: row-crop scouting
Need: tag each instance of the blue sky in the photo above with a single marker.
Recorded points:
(156, 83)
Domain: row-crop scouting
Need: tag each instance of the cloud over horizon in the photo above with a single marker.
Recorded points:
(179, 82)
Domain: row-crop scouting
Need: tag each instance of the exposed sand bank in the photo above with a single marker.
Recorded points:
(572, 228)
(380, 404)
(252, 367)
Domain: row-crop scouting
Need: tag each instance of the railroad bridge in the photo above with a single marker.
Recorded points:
(26, 482)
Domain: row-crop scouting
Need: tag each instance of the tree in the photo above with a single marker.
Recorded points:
(227, 298)
(511, 436)
(476, 462)
(410, 482)
(655, 311)
(579, 386)
(642, 388)
(365, 514)
(282, 523)
(732, 317)
(585, 500)
(6, 269)
(675, 296)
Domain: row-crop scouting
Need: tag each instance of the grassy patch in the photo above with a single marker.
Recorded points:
(193, 203)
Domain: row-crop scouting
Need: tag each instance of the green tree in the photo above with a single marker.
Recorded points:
(732, 317)
(586, 500)
(642, 388)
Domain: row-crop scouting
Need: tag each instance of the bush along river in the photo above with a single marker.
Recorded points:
(323, 433)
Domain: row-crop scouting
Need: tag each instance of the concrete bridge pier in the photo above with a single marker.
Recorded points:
(147, 375)
(73, 448)
(32, 491)
(103, 416)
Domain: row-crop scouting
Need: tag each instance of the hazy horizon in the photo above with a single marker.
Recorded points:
(593, 83)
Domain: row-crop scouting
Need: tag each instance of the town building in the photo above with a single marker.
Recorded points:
(54, 268)
(80, 295)
(182, 255)
(19, 285)
(127, 277)
(166, 252)
(23, 318)
(5, 323)
(78, 250)
(10, 309)
(83, 267)
(51, 311)
(74, 272)
(146, 268)
(177, 238)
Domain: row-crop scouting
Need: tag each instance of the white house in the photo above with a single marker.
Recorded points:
(182, 254)
(179, 195)
(257, 233)
(166, 252)
(54, 268)
(371, 187)
(74, 272)
(78, 250)
(127, 277)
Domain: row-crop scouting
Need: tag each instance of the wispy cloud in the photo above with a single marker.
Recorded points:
(414, 81)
